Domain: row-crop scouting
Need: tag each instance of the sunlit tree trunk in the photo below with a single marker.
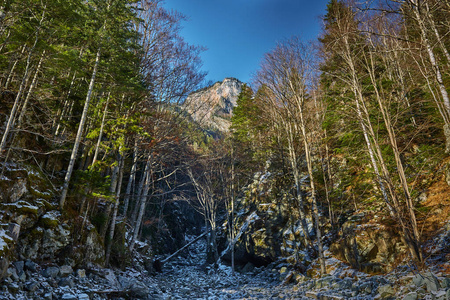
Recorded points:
(421, 15)
(100, 134)
(296, 175)
(12, 115)
(30, 90)
(13, 67)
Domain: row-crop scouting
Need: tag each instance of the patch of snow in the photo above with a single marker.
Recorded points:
(4, 239)
(4, 178)
(52, 215)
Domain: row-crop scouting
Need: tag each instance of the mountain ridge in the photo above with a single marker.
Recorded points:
(212, 107)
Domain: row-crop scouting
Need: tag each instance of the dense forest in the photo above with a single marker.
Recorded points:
(337, 151)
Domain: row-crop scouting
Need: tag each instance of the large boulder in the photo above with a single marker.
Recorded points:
(89, 250)
(267, 228)
(368, 245)
(6, 245)
(43, 244)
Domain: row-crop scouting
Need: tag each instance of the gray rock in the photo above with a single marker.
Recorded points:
(83, 297)
(428, 279)
(380, 280)
(66, 281)
(440, 295)
(51, 272)
(13, 287)
(81, 273)
(68, 296)
(139, 290)
(249, 267)
(12, 272)
(411, 296)
(332, 297)
(386, 291)
(125, 282)
(366, 288)
(220, 98)
(31, 286)
(18, 189)
(48, 296)
(445, 282)
(111, 278)
(30, 265)
(19, 266)
(325, 282)
(53, 240)
(313, 295)
(342, 284)
(65, 270)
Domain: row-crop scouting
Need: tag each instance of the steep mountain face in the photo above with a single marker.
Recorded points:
(212, 107)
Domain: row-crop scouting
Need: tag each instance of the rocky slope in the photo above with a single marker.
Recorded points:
(212, 107)
(267, 229)
(187, 277)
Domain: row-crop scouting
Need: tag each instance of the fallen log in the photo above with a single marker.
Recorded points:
(184, 247)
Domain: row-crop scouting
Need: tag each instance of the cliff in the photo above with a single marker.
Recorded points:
(212, 107)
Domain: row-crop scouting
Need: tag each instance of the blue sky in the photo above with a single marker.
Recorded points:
(238, 33)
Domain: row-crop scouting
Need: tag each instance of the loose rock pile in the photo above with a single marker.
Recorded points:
(28, 280)
(187, 277)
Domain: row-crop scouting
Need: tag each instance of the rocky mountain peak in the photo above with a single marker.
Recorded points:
(212, 106)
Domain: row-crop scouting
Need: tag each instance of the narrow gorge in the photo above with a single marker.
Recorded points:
(127, 173)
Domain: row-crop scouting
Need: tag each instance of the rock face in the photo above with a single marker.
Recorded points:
(368, 245)
(212, 107)
(267, 227)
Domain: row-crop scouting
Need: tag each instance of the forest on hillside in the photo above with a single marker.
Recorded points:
(95, 138)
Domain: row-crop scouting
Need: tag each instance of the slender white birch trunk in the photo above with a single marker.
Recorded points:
(76, 145)
(12, 115)
(100, 134)
(30, 90)
(11, 72)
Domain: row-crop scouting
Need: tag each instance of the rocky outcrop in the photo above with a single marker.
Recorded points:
(368, 245)
(212, 107)
(32, 228)
(267, 228)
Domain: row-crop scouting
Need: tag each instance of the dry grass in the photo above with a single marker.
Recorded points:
(436, 209)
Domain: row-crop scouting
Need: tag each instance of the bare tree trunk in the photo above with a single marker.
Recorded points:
(138, 200)
(143, 203)
(131, 179)
(327, 172)
(13, 67)
(313, 188)
(100, 134)
(112, 189)
(79, 133)
(232, 230)
(415, 251)
(12, 114)
(116, 208)
(30, 90)
(436, 32)
(437, 71)
(435, 66)
(66, 109)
